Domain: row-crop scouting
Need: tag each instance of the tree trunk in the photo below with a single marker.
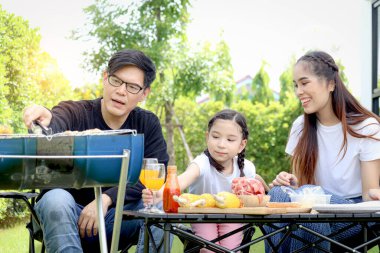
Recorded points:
(183, 137)
(169, 132)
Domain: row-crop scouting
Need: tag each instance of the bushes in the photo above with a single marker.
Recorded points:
(12, 212)
(269, 127)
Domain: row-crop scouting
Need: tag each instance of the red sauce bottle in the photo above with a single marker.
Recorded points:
(171, 188)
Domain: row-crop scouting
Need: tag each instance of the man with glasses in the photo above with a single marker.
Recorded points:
(68, 216)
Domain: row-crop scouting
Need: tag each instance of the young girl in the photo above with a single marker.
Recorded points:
(214, 169)
(335, 144)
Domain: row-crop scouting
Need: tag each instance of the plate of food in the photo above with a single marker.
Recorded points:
(364, 207)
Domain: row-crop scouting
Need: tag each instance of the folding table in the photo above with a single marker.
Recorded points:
(168, 222)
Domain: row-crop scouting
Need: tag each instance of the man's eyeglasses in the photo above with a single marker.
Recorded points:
(131, 87)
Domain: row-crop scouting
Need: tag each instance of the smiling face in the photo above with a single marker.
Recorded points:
(224, 141)
(314, 92)
(117, 102)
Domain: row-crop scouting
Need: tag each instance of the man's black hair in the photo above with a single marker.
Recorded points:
(136, 58)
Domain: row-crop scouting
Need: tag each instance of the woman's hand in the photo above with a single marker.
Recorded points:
(147, 196)
(284, 178)
(370, 180)
(374, 194)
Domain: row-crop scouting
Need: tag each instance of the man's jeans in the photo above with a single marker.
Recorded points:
(59, 214)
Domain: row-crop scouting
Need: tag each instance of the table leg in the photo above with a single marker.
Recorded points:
(167, 227)
(146, 237)
(365, 238)
(102, 227)
(120, 201)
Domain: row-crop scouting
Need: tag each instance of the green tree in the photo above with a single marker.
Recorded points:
(5, 110)
(159, 29)
(286, 84)
(193, 119)
(18, 45)
(269, 126)
(89, 90)
(27, 75)
(260, 87)
(342, 72)
(51, 84)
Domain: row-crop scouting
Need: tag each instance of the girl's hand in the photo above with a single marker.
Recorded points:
(147, 196)
(286, 179)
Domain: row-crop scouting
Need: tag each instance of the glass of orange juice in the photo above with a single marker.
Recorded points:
(154, 178)
(144, 163)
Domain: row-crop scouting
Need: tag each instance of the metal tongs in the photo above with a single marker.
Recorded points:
(38, 128)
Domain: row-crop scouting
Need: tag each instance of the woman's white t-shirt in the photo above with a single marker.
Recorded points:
(212, 181)
(341, 176)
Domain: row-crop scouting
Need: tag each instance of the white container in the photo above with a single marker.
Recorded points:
(311, 199)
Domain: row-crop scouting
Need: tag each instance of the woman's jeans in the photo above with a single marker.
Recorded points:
(58, 214)
(290, 244)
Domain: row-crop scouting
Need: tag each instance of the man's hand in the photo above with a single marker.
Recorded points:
(147, 196)
(36, 112)
(87, 223)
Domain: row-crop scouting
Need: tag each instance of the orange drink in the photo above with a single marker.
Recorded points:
(152, 176)
(154, 183)
(147, 174)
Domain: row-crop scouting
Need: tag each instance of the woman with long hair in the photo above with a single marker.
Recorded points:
(335, 144)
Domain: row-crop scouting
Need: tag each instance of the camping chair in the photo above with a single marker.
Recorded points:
(29, 199)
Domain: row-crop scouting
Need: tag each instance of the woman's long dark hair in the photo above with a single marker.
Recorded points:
(228, 114)
(347, 109)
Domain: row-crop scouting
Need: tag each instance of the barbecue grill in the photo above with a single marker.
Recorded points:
(74, 160)
(67, 160)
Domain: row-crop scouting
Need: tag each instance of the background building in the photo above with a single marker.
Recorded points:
(243, 88)
(375, 56)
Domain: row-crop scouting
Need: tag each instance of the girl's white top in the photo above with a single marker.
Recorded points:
(335, 173)
(212, 181)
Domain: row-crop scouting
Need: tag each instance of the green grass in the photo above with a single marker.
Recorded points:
(16, 240)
